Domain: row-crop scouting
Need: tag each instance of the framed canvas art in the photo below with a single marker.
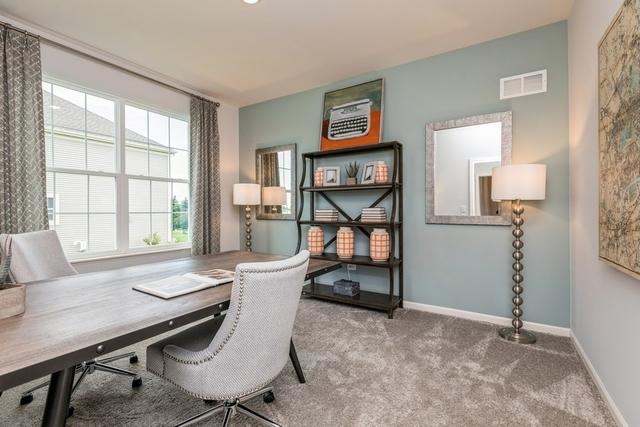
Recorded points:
(619, 141)
(352, 116)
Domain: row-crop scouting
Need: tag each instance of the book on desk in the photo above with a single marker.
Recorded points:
(174, 286)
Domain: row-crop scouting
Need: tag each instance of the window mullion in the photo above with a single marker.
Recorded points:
(122, 183)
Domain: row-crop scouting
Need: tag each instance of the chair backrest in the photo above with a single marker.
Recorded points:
(36, 256)
(252, 344)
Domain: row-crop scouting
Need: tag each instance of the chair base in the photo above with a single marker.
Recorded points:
(88, 368)
(231, 407)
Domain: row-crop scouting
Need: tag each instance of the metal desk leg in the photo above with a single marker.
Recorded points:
(55, 410)
(296, 363)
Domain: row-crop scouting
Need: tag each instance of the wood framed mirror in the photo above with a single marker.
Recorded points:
(461, 154)
(276, 174)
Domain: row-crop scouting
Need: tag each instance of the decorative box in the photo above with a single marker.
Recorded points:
(346, 287)
(12, 298)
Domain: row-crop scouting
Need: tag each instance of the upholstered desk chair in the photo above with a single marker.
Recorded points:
(233, 358)
(39, 256)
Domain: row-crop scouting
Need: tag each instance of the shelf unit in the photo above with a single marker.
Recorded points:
(389, 301)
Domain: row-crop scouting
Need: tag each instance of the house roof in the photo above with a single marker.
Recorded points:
(71, 117)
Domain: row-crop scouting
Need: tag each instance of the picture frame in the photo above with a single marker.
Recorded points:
(369, 173)
(352, 116)
(331, 176)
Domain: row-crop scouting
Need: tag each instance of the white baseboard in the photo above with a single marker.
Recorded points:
(498, 320)
(617, 415)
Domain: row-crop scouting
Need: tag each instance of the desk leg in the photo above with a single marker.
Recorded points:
(57, 406)
(296, 363)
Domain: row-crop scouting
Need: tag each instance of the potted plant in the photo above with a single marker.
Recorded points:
(352, 173)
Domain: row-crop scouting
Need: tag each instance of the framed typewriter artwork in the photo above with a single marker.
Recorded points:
(352, 116)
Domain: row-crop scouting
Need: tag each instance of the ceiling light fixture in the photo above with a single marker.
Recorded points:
(251, 1)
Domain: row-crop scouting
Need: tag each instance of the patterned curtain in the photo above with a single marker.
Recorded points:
(271, 177)
(23, 196)
(204, 174)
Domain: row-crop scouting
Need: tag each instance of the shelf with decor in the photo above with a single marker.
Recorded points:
(386, 238)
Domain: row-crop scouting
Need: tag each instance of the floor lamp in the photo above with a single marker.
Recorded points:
(516, 183)
(246, 195)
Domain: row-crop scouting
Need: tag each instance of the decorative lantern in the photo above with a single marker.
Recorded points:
(315, 241)
(318, 177)
(379, 245)
(382, 172)
(345, 243)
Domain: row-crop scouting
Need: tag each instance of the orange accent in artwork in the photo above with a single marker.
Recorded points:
(373, 137)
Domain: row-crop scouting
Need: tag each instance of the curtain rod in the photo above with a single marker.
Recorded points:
(105, 62)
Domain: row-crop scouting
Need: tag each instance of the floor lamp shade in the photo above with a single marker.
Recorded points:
(274, 196)
(519, 182)
(246, 194)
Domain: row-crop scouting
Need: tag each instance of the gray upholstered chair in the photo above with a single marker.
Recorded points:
(234, 358)
(39, 256)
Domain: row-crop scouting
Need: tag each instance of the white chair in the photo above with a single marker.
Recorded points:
(233, 358)
(39, 256)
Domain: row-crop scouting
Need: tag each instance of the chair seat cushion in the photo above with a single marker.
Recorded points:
(195, 338)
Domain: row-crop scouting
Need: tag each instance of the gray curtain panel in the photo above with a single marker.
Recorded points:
(271, 176)
(204, 175)
(23, 194)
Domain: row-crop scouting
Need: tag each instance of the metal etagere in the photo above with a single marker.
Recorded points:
(374, 300)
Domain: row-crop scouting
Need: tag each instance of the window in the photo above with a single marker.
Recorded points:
(117, 174)
(284, 172)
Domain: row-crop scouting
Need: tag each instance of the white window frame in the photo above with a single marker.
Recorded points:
(121, 177)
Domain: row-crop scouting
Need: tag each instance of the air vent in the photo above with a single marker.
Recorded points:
(523, 84)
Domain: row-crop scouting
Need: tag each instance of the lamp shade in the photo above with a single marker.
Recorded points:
(519, 182)
(274, 196)
(246, 194)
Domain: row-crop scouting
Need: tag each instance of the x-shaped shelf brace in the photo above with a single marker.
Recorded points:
(348, 217)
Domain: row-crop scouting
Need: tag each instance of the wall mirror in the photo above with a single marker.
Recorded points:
(461, 154)
(276, 174)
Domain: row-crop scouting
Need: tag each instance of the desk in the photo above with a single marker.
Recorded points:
(76, 318)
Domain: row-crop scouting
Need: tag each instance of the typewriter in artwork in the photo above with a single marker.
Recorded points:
(350, 120)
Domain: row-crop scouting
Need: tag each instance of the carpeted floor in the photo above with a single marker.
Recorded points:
(362, 369)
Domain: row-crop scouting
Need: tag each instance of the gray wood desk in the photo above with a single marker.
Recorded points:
(77, 318)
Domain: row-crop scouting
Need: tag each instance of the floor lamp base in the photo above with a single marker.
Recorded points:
(523, 337)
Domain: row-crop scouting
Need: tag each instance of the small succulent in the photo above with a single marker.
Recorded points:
(352, 169)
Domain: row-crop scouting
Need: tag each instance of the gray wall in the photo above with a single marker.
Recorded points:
(463, 267)
(605, 301)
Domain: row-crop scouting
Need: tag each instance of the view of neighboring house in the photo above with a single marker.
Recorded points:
(82, 164)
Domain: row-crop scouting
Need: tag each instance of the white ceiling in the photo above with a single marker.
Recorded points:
(246, 54)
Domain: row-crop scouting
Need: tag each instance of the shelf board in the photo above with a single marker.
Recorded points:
(353, 187)
(357, 260)
(353, 224)
(352, 150)
(367, 299)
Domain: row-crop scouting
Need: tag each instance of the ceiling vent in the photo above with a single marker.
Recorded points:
(523, 84)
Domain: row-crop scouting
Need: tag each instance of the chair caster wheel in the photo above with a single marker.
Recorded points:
(268, 397)
(133, 359)
(137, 382)
(25, 399)
(70, 411)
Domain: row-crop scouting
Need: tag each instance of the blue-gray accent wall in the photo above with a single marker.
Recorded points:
(464, 267)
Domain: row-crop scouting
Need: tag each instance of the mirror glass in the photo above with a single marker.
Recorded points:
(463, 154)
(276, 174)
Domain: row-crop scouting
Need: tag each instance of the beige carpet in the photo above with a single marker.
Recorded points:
(362, 369)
